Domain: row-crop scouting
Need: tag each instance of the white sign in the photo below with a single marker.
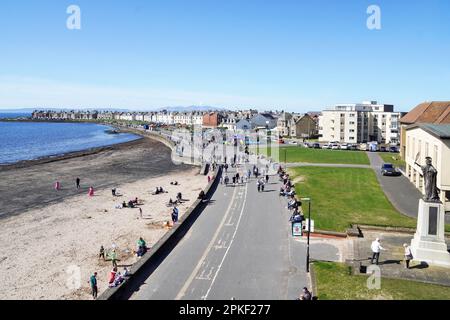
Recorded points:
(307, 225)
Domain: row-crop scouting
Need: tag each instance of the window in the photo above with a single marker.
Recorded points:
(435, 155)
(352, 130)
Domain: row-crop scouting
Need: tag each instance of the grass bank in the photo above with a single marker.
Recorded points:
(335, 282)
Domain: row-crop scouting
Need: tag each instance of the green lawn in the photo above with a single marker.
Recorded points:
(393, 158)
(343, 196)
(334, 282)
(300, 154)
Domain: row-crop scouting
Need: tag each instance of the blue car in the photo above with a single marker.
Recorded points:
(389, 169)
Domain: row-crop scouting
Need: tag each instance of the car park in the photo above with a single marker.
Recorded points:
(393, 149)
(388, 169)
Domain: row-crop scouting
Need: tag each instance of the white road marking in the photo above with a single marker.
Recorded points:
(229, 246)
(188, 282)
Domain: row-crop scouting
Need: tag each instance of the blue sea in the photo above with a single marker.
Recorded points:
(33, 140)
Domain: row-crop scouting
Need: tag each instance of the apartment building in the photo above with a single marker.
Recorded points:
(360, 122)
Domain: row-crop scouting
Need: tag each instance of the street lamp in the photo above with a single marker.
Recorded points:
(309, 231)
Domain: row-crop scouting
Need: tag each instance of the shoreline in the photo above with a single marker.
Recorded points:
(70, 154)
(30, 185)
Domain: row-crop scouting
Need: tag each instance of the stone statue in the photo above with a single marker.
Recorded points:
(430, 175)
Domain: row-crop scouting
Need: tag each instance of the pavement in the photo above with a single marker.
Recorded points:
(326, 165)
(399, 190)
(240, 247)
(392, 260)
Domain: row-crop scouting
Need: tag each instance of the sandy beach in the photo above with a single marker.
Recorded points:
(46, 237)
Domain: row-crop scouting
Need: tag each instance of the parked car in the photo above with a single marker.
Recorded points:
(388, 169)
(335, 147)
(306, 145)
(326, 146)
(352, 147)
(344, 146)
(280, 141)
(316, 146)
(393, 149)
(383, 149)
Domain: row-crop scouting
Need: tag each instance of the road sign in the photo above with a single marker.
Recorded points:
(307, 225)
(297, 229)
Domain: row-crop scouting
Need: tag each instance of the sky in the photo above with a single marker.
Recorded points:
(288, 55)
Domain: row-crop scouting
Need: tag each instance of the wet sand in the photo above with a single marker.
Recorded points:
(30, 185)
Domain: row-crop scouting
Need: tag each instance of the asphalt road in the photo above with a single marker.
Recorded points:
(240, 247)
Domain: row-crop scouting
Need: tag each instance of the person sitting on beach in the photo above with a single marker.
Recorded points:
(112, 275)
(113, 191)
(179, 197)
(130, 204)
(141, 243)
(124, 204)
(136, 201)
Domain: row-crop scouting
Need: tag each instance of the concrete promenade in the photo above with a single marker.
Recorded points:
(240, 247)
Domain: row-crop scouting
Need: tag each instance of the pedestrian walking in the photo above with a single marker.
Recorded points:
(258, 183)
(93, 282)
(408, 255)
(114, 258)
(262, 185)
(78, 183)
(102, 253)
(140, 213)
(57, 186)
(376, 249)
(267, 178)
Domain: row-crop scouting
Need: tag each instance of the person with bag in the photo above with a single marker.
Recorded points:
(408, 255)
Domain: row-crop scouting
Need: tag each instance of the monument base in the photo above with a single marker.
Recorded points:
(429, 244)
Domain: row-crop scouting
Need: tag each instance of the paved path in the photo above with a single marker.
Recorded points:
(240, 247)
(326, 165)
(402, 193)
(392, 260)
(399, 190)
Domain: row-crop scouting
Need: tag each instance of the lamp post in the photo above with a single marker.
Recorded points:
(309, 231)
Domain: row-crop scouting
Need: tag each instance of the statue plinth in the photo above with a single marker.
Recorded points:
(429, 244)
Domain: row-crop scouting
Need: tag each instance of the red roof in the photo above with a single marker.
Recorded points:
(437, 112)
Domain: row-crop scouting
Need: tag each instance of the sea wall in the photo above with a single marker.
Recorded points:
(143, 268)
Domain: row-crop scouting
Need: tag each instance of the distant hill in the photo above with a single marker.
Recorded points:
(191, 108)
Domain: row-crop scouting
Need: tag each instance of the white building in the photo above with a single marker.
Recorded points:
(429, 140)
(361, 122)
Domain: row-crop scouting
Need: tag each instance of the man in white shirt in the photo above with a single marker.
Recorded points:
(376, 248)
